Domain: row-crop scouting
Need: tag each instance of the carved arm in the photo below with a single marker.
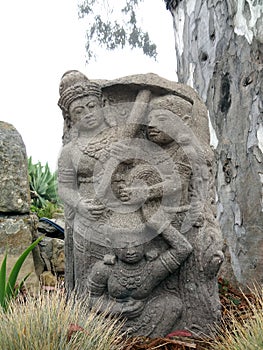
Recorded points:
(179, 251)
(67, 179)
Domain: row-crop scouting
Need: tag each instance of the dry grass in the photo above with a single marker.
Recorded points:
(242, 329)
(51, 322)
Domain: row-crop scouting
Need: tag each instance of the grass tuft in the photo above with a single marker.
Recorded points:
(50, 321)
(243, 330)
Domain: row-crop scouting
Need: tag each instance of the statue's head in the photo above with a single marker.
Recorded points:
(179, 105)
(132, 247)
(166, 117)
(80, 101)
(75, 85)
(130, 253)
(127, 246)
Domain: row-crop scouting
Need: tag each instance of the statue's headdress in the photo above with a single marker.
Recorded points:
(176, 104)
(75, 85)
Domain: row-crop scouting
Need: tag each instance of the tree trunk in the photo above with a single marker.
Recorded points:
(219, 47)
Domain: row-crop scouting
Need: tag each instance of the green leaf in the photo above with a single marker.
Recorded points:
(17, 289)
(16, 269)
(43, 183)
(3, 281)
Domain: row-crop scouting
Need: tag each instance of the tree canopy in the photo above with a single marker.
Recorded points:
(114, 27)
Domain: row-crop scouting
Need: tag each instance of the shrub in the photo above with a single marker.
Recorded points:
(47, 211)
(51, 321)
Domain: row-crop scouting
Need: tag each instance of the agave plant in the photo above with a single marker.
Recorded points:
(8, 288)
(43, 184)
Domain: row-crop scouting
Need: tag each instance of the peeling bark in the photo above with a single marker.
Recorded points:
(219, 48)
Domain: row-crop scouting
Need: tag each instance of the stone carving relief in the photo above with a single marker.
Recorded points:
(136, 178)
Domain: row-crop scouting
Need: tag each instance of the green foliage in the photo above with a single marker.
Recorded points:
(112, 34)
(8, 288)
(51, 321)
(43, 183)
(47, 211)
(43, 186)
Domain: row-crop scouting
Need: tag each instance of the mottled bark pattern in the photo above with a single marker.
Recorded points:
(219, 48)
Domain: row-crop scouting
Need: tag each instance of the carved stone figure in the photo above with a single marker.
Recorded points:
(135, 175)
(81, 103)
(131, 280)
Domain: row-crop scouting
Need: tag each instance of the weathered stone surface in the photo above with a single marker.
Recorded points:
(50, 253)
(136, 178)
(48, 279)
(16, 234)
(58, 256)
(51, 256)
(14, 186)
(219, 52)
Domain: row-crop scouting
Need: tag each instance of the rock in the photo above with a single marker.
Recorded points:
(16, 234)
(14, 186)
(58, 256)
(17, 226)
(48, 279)
(50, 255)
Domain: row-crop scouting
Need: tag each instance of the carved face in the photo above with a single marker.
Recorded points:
(130, 253)
(86, 113)
(159, 120)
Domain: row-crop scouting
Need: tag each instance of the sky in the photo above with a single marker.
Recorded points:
(40, 40)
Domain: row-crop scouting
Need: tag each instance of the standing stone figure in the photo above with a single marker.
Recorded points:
(136, 178)
(81, 103)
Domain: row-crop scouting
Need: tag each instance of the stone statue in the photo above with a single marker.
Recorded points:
(131, 279)
(136, 179)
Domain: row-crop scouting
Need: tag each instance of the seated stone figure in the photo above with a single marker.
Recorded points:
(130, 280)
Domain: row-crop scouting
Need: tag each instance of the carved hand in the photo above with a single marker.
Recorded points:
(90, 209)
(132, 308)
(120, 151)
